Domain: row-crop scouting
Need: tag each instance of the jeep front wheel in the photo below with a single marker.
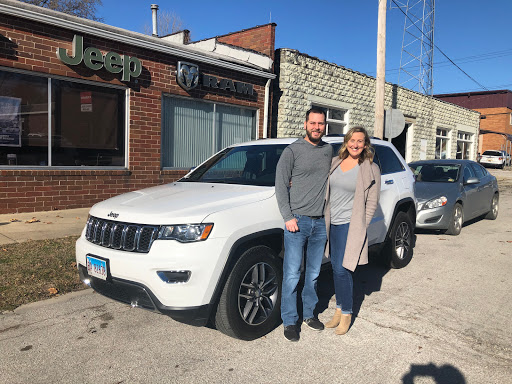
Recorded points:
(249, 306)
(399, 245)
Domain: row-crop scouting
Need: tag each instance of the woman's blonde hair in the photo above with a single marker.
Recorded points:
(367, 151)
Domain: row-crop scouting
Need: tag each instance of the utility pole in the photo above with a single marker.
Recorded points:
(378, 129)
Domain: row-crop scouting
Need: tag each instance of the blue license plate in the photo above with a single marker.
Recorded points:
(97, 267)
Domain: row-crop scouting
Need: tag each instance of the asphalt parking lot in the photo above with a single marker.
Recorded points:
(445, 318)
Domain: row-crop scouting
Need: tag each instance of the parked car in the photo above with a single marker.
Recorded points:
(507, 157)
(451, 192)
(493, 158)
(210, 246)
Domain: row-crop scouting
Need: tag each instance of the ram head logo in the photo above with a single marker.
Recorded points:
(187, 75)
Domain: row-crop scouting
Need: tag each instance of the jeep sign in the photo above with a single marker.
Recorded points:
(94, 59)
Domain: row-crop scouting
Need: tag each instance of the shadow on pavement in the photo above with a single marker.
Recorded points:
(445, 374)
(367, 279)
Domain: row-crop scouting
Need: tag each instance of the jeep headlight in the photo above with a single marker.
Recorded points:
(435, 203)
(185, 233)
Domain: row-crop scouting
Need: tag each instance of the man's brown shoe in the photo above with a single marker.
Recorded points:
(344, 325)
(335, 319)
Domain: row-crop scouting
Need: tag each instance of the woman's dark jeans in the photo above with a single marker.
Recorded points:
(343, 282)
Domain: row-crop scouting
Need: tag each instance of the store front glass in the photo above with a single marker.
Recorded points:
(85, 125)
(194, 130)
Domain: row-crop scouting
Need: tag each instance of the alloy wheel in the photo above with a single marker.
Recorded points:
(457, 218)
(495, 205)
(402, 240)
(258, 294)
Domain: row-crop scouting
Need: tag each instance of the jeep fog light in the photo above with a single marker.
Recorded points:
(185, 233)
(174, 277)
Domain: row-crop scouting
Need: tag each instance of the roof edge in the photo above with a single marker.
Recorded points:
(119, 35)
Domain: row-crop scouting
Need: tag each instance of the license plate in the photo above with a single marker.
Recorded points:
(97, 267)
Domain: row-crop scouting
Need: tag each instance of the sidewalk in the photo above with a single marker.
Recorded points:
(19, 227)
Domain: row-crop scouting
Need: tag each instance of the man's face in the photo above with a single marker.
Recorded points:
(315, 127)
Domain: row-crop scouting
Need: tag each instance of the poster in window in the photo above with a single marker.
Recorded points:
(86, 101)
(10, 122)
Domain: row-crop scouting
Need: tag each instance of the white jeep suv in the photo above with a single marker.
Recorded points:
(209, 246)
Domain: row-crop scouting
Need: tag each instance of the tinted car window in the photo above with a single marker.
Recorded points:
(435, 173)
(387, 160)
(492, 153)
(248, 165)
(468, 172)
(479, 171)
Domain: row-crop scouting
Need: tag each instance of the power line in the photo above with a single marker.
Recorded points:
(466, 59)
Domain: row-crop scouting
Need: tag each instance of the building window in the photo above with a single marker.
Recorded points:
(464, 142)
(84, 126)
(194, 130)
(337, 120)
(442, 144)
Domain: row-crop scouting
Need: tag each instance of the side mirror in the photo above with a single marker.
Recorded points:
(471, 180)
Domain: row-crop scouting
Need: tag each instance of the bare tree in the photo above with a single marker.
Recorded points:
(81, 8)
(168, 22)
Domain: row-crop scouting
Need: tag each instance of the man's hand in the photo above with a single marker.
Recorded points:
(291, 225)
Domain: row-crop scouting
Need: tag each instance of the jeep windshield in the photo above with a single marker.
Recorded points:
(246, 165)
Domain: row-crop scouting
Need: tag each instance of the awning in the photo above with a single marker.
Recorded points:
(484, 131)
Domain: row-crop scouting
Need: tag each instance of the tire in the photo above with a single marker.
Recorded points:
(493, 213)
(399, 244)
(456, 221)
(250, 303)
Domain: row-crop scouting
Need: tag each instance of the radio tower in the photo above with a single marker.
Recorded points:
(416, 59)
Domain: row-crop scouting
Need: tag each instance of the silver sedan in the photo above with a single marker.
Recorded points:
(451, 192)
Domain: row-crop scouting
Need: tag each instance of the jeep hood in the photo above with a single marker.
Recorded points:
(178, 203)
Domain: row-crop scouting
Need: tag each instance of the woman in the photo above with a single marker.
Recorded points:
(352, 198)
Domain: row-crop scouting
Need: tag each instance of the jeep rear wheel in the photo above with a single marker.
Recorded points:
(399, 245)
(249, 306)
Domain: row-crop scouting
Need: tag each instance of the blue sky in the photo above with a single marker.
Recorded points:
(474, 34)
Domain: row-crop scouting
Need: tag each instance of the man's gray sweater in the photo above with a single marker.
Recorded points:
(306, 166)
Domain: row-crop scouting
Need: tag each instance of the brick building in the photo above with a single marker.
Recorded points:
(432, 128)
(496, 110)
(89, 111)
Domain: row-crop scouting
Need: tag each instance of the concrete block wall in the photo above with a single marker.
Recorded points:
(301, 77)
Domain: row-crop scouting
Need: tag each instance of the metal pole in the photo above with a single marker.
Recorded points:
(378, 129)
(154, 10)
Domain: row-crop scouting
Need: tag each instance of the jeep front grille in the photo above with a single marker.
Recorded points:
(122, 236)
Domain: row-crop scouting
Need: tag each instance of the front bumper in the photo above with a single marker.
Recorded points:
(133, 277)
(435, 218)
(137, 295)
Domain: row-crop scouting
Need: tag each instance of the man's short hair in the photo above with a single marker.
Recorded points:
(316, 110)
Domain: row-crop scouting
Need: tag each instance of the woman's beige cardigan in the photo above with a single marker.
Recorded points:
(366, 199)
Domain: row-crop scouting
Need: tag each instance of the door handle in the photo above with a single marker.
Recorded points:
(389, 181)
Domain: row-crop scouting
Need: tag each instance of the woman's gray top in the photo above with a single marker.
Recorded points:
(343, 187)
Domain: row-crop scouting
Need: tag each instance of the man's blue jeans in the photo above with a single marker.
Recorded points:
(311, 231)
(343, 282)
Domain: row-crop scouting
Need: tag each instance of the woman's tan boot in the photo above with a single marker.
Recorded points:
(344, 324)
(335, 319)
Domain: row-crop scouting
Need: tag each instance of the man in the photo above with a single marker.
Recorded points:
(301, 180)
